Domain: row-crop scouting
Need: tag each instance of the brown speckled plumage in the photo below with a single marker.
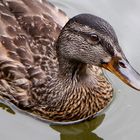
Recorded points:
(34, 76)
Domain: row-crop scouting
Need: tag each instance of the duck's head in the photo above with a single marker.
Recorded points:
(91, 40)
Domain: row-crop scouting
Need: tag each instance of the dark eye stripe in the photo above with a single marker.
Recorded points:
(93, 37)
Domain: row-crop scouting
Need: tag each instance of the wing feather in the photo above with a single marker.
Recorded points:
(28, 32)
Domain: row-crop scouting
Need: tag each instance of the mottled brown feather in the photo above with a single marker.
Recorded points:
(29, 65)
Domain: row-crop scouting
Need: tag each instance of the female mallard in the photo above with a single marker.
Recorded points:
(54, 72)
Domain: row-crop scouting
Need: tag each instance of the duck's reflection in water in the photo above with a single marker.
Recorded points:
(6, 107)
(81, 131)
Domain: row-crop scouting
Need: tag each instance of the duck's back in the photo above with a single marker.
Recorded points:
(28, 31)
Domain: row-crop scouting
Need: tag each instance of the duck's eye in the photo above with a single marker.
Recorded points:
(94, 37)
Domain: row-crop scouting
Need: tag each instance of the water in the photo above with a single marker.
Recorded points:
(122, 119)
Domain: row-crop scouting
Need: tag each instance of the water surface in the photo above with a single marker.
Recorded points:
(122, 119)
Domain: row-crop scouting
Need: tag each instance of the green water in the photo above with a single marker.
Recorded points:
(121, 121)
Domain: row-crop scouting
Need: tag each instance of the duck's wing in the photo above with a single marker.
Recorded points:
(37, 7)
(57, 14)
(28, 31)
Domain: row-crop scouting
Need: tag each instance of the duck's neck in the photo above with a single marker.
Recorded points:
(71, 69)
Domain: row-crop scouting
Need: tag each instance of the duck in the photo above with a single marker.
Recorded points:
(52, 66)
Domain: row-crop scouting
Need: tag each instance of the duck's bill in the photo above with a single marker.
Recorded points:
(121, 68)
